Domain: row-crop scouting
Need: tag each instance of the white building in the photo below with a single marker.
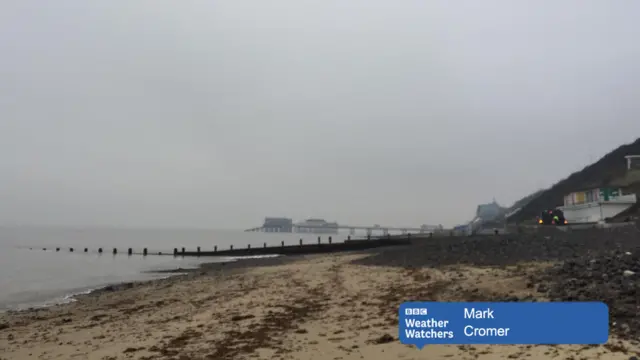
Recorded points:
(595, 205)
(633, 162)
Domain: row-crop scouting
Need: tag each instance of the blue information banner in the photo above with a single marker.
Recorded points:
(461, 323)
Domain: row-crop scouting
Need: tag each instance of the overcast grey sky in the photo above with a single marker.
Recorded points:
(218, 113)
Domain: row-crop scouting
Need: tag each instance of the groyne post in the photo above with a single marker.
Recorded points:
(182, 251)
(57, 249)
(175, 251)
(99, 250)
(130, 251)
(248, 246)
(198, 250)
(330, 240)
(264, 245)
(231, 247)
(215, 248)
(300, 242)
(282, 243)
(368, 237)
(319, 241)
(86, 250)
(70, 249)
(349, 237)
(144, 252)
(115, 251)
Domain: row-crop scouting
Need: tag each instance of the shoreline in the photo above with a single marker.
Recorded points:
(341, 305)
(74, 295)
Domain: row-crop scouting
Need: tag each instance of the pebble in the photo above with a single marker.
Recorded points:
(590, 264)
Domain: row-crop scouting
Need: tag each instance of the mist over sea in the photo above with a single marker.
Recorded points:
(31, 276)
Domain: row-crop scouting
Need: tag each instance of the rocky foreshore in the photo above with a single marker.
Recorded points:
(588, 265)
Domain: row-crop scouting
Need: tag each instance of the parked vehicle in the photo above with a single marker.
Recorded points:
(552, 217)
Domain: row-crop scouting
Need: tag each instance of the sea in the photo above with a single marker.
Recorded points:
(34, 274)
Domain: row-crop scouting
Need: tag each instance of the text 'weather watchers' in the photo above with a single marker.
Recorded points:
(425, 323)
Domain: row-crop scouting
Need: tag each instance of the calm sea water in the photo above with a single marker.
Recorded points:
(30, 276)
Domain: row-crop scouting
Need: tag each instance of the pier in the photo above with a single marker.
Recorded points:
(320, 226)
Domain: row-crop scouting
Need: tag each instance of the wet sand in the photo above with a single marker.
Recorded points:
(312, 307)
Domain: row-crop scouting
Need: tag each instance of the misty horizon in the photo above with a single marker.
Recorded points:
(157, 114)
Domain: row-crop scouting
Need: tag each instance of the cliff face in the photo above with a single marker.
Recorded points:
(525, 200)
(608, 171)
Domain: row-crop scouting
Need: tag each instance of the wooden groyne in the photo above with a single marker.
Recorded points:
(298, 249)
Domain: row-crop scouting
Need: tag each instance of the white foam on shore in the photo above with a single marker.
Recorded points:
(71, 297)
(235, 258)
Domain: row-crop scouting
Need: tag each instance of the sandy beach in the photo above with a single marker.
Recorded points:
(307, 307)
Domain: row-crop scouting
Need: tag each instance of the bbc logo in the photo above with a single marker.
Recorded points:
(415, 311)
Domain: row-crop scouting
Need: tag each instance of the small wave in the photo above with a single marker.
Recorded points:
(235, 258)
(72, 296)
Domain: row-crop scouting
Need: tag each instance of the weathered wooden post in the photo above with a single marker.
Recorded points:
(330, 240)
(215, 248)
(115, 251)
(175, 251)
(368, 236)
(319, 241)
(130, 252)
(57, 249)
(248, 246)
(198, 250)
(264, 245)
(231, 247)
(182, 251)
(282, 242)
(300, 242)
(70, 249)
(99, 250)
(86, 250)
(349, 237)
(144, 252)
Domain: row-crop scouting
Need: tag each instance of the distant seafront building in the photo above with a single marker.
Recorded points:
(277, 224)
(488, 217)
(489, 212)
(316, 226)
